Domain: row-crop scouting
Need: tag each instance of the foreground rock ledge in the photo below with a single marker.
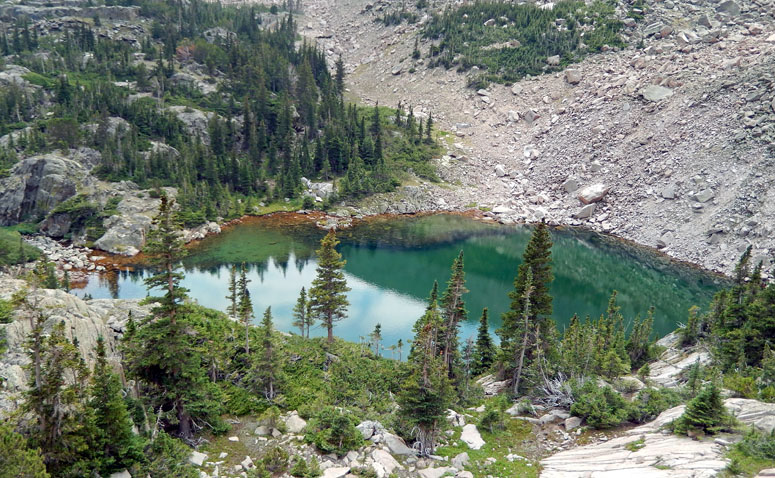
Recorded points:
(661, 455)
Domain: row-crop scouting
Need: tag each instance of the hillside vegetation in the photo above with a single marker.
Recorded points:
(510, 41)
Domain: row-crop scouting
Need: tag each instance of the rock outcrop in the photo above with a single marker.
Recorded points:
(653, 453)
(36, 185)
(84, 320)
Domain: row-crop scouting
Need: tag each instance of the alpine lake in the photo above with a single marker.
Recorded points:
(393, 261)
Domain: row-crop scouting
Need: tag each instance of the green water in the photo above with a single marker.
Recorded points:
(392, 263)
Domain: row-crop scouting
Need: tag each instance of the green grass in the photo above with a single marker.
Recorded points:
(516, 439)
(10, 252)
(636, 445)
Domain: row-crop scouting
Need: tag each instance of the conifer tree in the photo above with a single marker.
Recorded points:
(484, 349)
(426, 393)
(233, 297)
(300, 314)
(453, 312)
(245, 306)
(266, 367)
(16, 459)
(705, 412)
(376, 338)
(116, 446)
(536, 326)
(328, 302)
(62, 427)
(161, 352)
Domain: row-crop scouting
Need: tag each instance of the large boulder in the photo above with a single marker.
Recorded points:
(126, 232)
(593, 193)
(294, 423)
(471, 437)
(396, 445)
(384, 463)
(36, 185)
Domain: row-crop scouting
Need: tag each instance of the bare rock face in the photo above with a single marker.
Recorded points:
(84, 320)
(36, 185)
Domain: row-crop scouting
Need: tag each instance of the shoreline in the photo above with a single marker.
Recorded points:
(102, 262)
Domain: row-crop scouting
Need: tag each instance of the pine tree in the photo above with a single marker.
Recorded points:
(266, 367)
(16, 459)
(231, 309)
(300, 314)
(245, 305)
(484, 350)
(426, 393)
(376, 338)
(62, 427)
(528, 315)
(328, 302)
(116, 446)
(453, 312)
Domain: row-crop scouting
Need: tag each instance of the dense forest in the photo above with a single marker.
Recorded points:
(269, 109)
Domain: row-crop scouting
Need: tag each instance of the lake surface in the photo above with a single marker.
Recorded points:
(392, 263)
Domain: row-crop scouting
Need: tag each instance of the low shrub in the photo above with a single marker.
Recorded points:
(600, 407)
(333, 431)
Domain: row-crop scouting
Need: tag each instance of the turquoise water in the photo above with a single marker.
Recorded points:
(392, 263)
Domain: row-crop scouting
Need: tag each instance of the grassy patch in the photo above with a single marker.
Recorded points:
(636, 445)
(13, 250)
(516, 439)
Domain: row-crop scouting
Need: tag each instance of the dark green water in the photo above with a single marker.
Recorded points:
(392, 263)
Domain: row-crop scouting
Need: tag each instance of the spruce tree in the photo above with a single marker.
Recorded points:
(162, 353)
(17, 460)
(453, 312)
(231, 309)
(484, 349)
(300, 313)
(536, 326)
(426, 394)
(328, 302)
(61, 426)
(245, 305)
(705, 412)
(116, 447)
(376, 338)
(266, 367)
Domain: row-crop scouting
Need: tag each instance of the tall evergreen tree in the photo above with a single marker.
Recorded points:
(453, 312)
(245, 306)
(376, 338)
(300, 314)
(328, 302)
(427, 392)
(116, 447)
(233, 297)
(529, 314)
(161, 353)
(484, 349)
(16, 459)
(266, 368)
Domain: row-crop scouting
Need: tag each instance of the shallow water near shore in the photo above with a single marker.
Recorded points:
(393, 261)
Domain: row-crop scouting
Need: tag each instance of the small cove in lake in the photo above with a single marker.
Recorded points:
(393, 261)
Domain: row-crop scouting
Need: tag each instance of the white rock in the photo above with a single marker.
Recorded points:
(461, 460)
(295, 424)
(197, 458)
(593, 193)
(336, 471)
(471, 437)
(435, 472)
(121, 474)
(247, 463)
(234, 438)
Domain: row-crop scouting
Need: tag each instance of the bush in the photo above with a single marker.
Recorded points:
(744, 387)
(651, 402)
(6, 312)
(705, 413)
(275, 461)
(600, 407)
(333, 431)
(758, 444)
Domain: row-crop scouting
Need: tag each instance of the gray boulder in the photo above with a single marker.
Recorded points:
(656, 93)
(397, 445)
(38, 184)
(593, 193)
(586, 211)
